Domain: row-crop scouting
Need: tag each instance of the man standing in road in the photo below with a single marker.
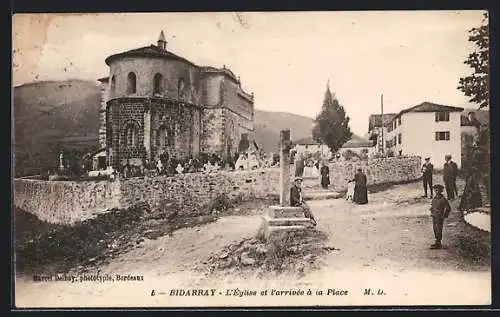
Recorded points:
(450, 173)
(427, 170)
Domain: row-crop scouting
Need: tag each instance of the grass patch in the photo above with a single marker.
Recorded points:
(57, 248)
(293, 252)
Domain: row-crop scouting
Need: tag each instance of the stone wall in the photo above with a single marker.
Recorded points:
(212, 126)
(378, 171)
(194, 190)
(67, 202)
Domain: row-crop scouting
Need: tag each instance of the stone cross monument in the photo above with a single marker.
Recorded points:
(285, 145)
(283, 219)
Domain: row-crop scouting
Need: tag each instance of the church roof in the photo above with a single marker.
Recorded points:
(148, 51)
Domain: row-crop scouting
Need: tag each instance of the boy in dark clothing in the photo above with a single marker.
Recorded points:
(440, 210)
(296, 200)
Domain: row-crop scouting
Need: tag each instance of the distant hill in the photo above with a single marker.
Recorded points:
(269, 124)
(52, 115)
(48, 113)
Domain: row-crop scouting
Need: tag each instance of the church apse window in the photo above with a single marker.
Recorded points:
(131, 83)
(158, 84)
(165, 137)
(113, 85)
(131, 133)
(180, 88)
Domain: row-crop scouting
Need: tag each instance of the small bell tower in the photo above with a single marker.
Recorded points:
(162, 43)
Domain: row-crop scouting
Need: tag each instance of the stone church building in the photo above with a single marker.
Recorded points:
(155, 102)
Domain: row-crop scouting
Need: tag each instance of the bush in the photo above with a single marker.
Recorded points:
(349, 155)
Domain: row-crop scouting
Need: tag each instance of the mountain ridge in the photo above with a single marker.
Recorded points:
(52, 115)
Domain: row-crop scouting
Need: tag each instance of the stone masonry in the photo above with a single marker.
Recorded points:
(67, 202)
(202, 108)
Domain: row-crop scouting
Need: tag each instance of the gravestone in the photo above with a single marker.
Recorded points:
(283, 218)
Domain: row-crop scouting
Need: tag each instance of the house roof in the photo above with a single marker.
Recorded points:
(355, 142)
(483, 116)
(306, 141)
(426, 107)
(375, 120)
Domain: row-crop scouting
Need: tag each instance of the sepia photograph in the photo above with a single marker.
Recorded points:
(251, 159)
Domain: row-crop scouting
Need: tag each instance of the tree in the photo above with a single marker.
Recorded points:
(332, 125)
(477, 85)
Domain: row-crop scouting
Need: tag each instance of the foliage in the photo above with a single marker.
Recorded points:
(332, 124)
(374, 138)
(477, 85)
(349, 155)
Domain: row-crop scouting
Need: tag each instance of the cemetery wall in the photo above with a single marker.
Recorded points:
(67, 201)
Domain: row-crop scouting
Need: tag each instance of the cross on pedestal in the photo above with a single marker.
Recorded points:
(285, 146)
(283, 219)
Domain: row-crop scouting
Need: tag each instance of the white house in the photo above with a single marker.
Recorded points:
(356, 144)
(308, 145)
(426, 130)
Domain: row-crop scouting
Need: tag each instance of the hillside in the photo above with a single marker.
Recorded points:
(269, 124)
(45, 113)
(52, 115)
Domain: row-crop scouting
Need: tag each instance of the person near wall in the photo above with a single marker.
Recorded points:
(450, 173)
(427, 171)
(325, 176)
(471, 197)
(297, 201)
(360, 188)
(299, 165)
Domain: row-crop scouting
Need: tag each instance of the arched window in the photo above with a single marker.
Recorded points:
(131, 83)
(157, 84)
(113, 85)
(165, 137)
(131, 133)
(180, 88)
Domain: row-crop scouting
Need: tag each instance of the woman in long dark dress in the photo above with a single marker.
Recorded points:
(471, 197)
(325, 176)
(360, 191)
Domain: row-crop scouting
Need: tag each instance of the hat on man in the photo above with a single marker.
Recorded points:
(438, 187)
(427, 158)
(298, 178)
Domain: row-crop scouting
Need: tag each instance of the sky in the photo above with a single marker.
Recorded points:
(285, 59)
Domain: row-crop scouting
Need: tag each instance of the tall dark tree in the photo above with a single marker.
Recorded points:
(477, 85)
(332, 124)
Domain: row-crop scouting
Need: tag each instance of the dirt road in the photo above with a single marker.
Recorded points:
(383, 245)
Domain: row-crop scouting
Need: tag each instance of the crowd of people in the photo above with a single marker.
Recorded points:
(170, 165)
